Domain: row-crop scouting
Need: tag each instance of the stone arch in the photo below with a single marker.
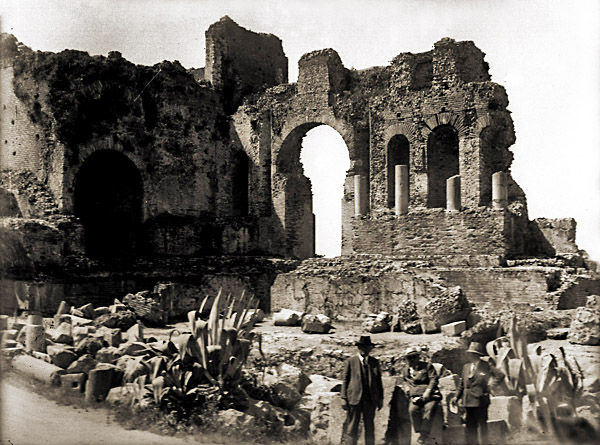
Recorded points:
(291, 189)
(442, 162)
(397, 153)
(107, 196)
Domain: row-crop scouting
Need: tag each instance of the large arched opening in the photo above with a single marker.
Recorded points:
(324, 157)
(108, 200)
(311, 171)
(398, 153)
(442, 163)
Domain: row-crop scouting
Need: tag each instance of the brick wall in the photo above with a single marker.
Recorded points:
(20, 137)
(474, 237)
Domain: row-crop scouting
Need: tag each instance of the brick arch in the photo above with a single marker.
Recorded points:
(456, 121)
(287, 152)
(84, 153)
(409, 131)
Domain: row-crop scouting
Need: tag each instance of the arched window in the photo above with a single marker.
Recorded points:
(398, 153)
(442, 163)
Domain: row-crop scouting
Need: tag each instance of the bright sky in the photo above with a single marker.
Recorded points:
(545, 53)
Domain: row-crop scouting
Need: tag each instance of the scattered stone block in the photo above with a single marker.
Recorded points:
(80, 321)
(293, 375)
(135, 333)
(63, 334)
(259, 315)
(73, 382)
(61, 355)
(102, 310)
(17, 325)
(98, 384)
(88, 311)
(232, 418)
(63, 308)
(374, 326)
(3, 322)
(585, 327)
(108, 355)
(285, 395)
(89, 345)
(77, 313)
(506, 408)
(557, 333)
(316, 324)
(591, 384)
(454, 329)
(41, 356)
(112, 337)
(117, 373)
(8, 344)
(10, 353)
(287, 317)
(115, 308)
(320, 384)
(122, 320)
(121, 395)
(35, 338)
(84, 364)
(38, 369)
(450, 306)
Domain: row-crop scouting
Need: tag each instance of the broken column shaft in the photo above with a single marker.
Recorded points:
(360, 198)
(401, 189)
(499, 190)
(453, 193)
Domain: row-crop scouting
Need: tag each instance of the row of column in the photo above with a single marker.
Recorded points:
(401, 183)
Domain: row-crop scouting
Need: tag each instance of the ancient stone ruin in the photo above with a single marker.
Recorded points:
(118, 178)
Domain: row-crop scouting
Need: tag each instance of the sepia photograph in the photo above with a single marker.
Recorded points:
(300, 222)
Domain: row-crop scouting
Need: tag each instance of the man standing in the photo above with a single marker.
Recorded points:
(421, 382)
(362, 392)
(474, 393)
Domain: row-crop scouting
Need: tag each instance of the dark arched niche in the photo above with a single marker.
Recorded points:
(108, 200)
(442, 163)
(397, 154)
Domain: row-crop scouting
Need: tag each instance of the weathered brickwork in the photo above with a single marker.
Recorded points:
(108, 165)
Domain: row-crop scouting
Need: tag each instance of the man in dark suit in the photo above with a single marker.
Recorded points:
(474, 392)
(362, 392)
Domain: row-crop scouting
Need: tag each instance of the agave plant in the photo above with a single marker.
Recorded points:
(196, 365)
(546, 380)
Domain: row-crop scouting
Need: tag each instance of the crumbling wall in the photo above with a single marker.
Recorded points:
(559, 233)
(240, 62)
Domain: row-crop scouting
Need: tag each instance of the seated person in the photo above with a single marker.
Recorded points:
(421, 383)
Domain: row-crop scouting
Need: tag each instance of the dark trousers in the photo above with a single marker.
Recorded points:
(421, 415)
(476, 420)
(366, 409)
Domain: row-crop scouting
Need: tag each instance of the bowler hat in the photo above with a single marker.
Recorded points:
(476, 348)
(364, 340)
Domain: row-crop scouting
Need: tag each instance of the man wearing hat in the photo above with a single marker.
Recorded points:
(362, 392)
(474, 392)
(420, 380)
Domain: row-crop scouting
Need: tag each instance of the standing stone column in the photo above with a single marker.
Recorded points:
(401, 189)
(453, 193)
(360, 198)
(499, 190)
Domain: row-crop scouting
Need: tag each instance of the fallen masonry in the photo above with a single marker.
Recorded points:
(206, 216)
